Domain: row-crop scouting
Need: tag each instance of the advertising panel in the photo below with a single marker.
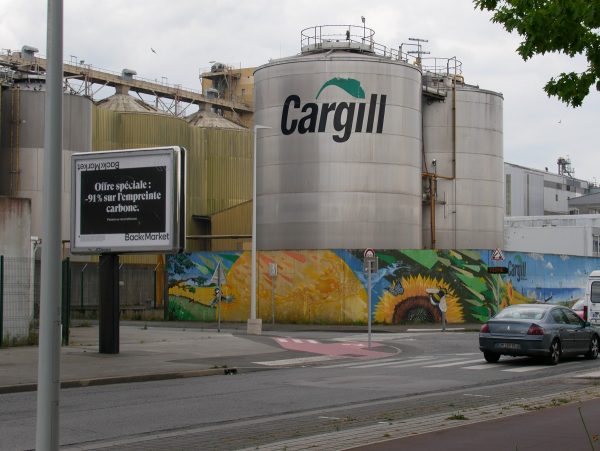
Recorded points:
(128, 201)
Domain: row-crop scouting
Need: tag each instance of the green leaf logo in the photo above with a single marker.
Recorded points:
(350, 85)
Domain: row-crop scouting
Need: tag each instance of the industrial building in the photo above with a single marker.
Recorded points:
(403, 180)
(361, 145)
(366, 148)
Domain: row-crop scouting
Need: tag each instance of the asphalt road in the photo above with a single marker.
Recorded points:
(297, 394)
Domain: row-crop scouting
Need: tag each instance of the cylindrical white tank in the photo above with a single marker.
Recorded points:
(462, 132)
(341, 165)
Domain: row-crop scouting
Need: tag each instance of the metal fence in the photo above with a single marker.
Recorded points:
(20, 294)
(136, 286)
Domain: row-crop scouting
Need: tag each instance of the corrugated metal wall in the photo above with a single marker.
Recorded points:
(219, 171)
(233, 221)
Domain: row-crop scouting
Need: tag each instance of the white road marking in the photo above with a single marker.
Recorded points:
(396, 363)
(281, 340)
(523, 369)
(377, 362)
(297, 361)
(483, 366)
(296, 340)
(460, 362)
(313, 341)
(476, 396)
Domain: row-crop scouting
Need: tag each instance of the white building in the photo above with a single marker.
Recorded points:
(531, 192)
(550, 213)
(559, 234)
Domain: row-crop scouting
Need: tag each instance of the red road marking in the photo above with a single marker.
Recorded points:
(356, 349)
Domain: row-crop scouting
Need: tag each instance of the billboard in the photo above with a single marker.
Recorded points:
(127, 201)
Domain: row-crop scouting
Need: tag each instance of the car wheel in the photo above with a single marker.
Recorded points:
(491, 357)
(594, 345)
(554, 356)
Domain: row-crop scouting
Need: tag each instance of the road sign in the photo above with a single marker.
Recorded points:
(369, 253)
(218, 277)
(273, 269)
(371, 265)
(497, 255)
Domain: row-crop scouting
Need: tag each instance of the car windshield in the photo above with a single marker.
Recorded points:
(521, 313)
(579, 304)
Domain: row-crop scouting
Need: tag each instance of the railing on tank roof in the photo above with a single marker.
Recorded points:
(441, 66)
(350, 37)
(360, 38)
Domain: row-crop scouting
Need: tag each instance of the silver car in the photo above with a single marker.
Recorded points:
(551, 331)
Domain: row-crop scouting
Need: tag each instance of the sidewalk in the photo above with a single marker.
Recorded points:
(146, 353)
(161, 350)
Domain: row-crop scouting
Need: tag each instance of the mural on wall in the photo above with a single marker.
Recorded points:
(329, 287)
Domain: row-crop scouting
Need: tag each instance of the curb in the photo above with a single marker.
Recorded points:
(20, 388)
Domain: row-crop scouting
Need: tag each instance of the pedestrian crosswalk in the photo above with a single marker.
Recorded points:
(354, 354)
(462, 361)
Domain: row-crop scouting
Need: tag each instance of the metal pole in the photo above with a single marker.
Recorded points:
(273, 298)
(369, 304)
(108, 314)
(219, 297)
(81, 287)
(47, 425)
(253, 264)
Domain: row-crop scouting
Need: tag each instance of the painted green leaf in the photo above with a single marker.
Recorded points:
(350, 85)
(426, 258)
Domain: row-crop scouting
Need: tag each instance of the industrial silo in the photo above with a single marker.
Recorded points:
(22, 144)
(462, 138)
(340, 166)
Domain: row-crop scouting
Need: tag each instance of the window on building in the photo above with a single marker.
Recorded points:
(556, 197)
(596, 245)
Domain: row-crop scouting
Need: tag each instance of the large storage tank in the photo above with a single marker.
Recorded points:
(22, 145)
(462, 132)
(341, 165)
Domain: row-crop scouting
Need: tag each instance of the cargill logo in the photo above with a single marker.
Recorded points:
(347, 116)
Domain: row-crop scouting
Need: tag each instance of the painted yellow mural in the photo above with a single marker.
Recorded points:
(330, 287)
(311, 286)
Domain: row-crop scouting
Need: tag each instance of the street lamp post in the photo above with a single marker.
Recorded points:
(254, 324)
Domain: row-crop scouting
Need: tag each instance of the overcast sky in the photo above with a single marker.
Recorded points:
(188, 34)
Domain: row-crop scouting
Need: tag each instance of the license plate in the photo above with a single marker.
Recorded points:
(508, 345)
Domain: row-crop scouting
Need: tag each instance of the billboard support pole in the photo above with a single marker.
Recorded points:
(109, 303)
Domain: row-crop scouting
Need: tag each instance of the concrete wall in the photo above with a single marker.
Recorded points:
(15, 248)
(15, 227)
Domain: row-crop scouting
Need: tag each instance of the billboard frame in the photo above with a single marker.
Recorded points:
(124, 173)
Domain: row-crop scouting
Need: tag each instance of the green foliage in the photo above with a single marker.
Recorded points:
(183, 310)
(547, 26)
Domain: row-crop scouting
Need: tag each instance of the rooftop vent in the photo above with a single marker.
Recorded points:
(128, 74)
